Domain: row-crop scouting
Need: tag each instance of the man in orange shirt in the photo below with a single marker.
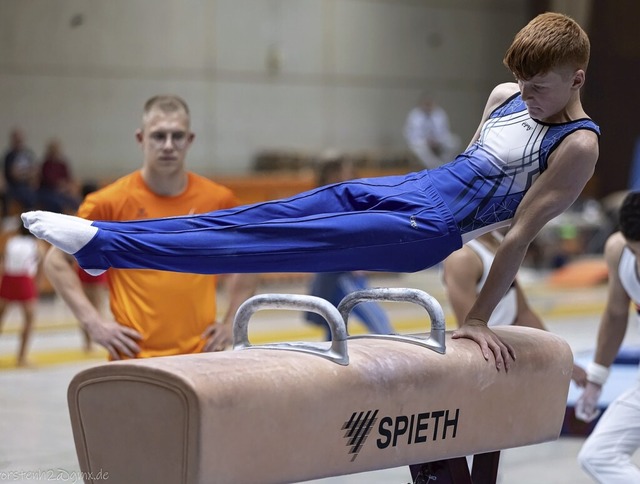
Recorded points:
(156, 313)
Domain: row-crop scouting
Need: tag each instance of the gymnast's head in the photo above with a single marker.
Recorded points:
(548, 42)
(629, 217)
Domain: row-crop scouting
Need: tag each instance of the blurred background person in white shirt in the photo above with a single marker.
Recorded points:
(428, 135)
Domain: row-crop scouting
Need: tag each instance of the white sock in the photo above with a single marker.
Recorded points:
(66, 232)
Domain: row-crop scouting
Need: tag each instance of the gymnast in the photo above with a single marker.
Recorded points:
(530, 158)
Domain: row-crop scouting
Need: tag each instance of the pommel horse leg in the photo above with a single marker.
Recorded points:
(456, 470)
(307, 411)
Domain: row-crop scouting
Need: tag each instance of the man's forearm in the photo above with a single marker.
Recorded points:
(610, 336)
(240, 287)
(60, 272)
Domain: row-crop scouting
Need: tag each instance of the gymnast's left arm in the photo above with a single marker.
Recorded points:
(239, 287)
(570, 168)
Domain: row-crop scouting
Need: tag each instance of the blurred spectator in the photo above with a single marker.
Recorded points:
(58, 190)
(21, 263)
(20, 174)
(427, 133)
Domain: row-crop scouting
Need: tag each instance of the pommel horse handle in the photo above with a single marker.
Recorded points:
(337, 352)
(436, 339)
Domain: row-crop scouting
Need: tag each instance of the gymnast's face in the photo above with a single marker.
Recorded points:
(548, 95)
(165, 138)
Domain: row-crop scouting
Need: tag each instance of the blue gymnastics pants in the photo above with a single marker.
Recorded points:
(394, 224)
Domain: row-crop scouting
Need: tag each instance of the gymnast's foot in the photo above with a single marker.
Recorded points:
(67, 233)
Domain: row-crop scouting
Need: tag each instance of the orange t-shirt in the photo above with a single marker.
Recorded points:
(169, 309)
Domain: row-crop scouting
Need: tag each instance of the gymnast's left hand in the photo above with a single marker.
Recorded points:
(218, 336)
(477, 330)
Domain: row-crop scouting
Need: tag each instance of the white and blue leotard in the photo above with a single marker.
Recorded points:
(397, 224)
(484, 185)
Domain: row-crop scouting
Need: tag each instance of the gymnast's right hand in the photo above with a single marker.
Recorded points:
(477, 330)
(587, 405)
(120, 341)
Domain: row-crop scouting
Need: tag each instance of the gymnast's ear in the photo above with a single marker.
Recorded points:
(578, 79)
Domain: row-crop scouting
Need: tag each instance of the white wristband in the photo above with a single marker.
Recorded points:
(597, 374)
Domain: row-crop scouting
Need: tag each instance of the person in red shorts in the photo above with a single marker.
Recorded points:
(21, 262)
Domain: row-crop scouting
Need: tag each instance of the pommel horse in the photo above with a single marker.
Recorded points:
(292, 412)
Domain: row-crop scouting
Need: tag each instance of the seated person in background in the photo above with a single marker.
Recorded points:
(427, 133)
(465, 272)
(20, 174)
(334, 286)
(58, 191)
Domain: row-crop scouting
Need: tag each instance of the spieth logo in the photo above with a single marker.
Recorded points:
(357, 429)
(399, 430)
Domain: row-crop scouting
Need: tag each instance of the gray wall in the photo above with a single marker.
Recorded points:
(258, 74)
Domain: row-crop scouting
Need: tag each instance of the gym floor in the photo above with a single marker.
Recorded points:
(37, 443)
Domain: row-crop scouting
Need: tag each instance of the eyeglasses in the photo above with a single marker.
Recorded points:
(179, 139)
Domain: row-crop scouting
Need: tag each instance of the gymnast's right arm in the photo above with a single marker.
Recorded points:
(118, 340)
